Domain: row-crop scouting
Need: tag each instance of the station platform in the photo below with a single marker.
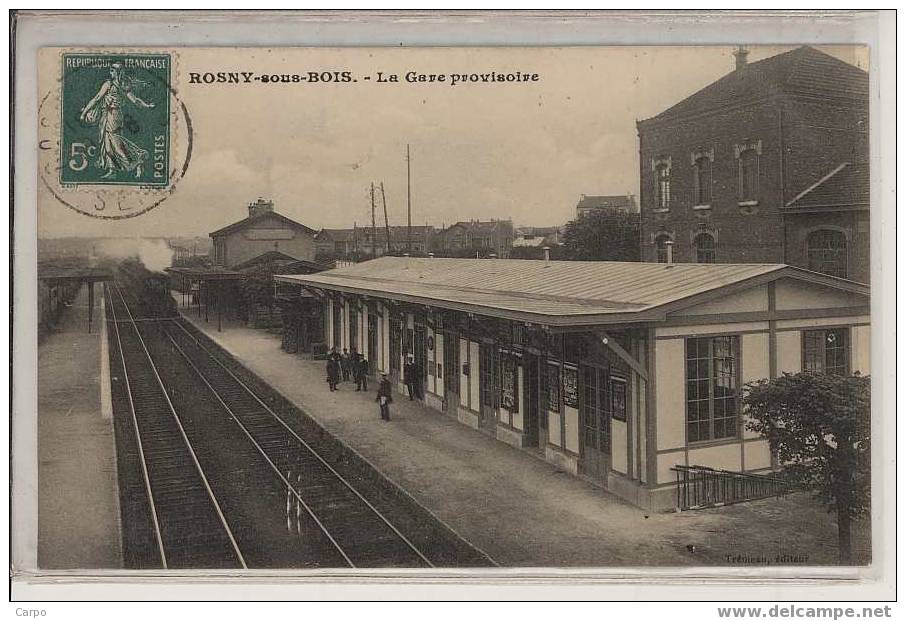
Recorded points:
(515, 507)
(78, 498)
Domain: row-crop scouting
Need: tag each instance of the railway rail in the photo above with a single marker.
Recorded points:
(188, 524)
(357, 532)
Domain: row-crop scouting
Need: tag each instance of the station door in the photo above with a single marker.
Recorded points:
(451, 372)
(594, 451)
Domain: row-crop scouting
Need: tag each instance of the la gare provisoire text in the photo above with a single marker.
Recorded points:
(346, 77)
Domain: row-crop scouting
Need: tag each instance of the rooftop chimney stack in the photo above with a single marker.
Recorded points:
(260, 206)
(742, 57)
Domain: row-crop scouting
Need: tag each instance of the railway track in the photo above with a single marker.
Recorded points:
(318, 497)
(189, 527)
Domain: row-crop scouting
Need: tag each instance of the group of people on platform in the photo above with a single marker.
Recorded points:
(342, 367)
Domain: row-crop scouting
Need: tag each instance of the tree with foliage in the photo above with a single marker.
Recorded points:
(607, 235)
(819, 427)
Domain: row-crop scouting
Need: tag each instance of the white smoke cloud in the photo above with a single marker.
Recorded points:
(154, 253)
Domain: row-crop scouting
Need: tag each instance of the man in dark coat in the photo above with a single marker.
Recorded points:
(333, 370)
(384, 397)
(345, 363)
(409, 377)
(361, 373)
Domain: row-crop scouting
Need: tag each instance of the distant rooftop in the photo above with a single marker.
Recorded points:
(622, 202)
(805, 72)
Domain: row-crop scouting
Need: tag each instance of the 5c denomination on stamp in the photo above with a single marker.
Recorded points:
(115, 119)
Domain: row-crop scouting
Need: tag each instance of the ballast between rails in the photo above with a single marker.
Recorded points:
(279, 420)
(153, 367)
(138, 436)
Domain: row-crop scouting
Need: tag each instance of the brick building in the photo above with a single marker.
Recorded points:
(475, 236)
(264, 230)
(769, 164)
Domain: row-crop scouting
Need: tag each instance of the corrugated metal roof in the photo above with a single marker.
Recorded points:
(566, 289)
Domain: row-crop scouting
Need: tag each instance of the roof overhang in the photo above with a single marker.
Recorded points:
(563, 322)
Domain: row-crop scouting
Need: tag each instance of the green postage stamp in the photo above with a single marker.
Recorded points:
(115, 125)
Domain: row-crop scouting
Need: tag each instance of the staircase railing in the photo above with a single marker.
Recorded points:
(700, 486)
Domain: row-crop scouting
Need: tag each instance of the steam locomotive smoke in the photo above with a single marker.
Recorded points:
(155, 254)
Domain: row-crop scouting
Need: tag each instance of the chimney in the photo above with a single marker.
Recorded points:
(547, 256)
(669, 245)
(742, 57)
(260, 206)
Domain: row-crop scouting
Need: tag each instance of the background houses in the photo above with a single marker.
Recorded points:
(468, 238)
(595, 204)
(767, 164)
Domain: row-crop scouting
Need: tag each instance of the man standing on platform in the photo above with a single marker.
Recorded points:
(384, 397)
(361, 373)
(333, 369)
(345, 363)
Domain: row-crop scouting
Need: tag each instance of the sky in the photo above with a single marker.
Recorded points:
(525, 151)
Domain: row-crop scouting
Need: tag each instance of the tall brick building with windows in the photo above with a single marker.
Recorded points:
(769, 164)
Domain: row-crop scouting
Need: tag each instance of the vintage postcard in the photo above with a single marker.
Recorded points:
(368, 309)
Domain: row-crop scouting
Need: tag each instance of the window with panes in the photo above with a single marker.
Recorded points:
(705, 251)
(826, 351)
(712, 388)
(748, 175)
(488, 371)
(595, 409)
(662, 189)
(396, 335)
(702, 180)
(660, 244)
(827, 252)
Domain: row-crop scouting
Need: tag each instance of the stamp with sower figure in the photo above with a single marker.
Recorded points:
(115, 119)
(114, 137)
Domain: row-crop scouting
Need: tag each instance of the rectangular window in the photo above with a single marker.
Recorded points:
(396, 332)
(488, 384)
(702, 180)
(748, 175)
(618, 397)
(826, 351)
(663, 186)
(712, 388)
(595, 409)
(509, 381)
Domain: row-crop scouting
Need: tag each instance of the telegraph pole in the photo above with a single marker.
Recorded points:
(386, 221)
(408, 201)
(373, 227)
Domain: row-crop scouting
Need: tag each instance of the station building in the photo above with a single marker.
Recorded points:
(614, 372)
(769, 164)
(263, 231)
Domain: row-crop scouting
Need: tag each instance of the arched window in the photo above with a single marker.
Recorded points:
(661, 242)
(747, 155)
(827, 252)
(705, 248)
(662, 172)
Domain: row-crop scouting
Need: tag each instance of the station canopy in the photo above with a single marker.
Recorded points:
(555, 293)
